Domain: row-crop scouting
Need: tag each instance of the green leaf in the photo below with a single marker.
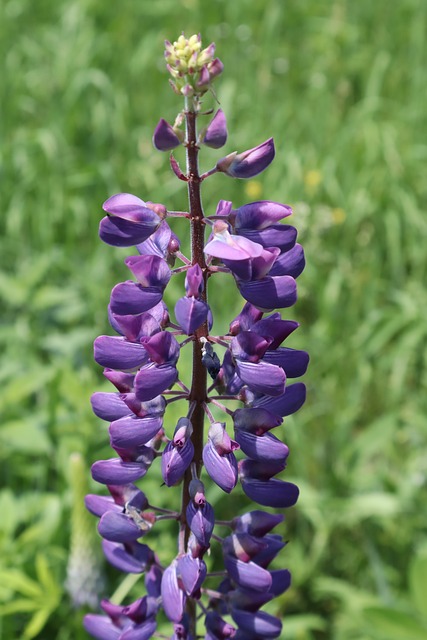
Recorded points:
(418, 581)
(21, 605)
(24, 436)
(36, 623)
(18, 581)
(46, 577)
(394, 625)
(295, 626)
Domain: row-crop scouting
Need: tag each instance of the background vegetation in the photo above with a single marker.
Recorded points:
(341, 87)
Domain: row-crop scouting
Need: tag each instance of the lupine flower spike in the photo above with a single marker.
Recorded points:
(239, 448)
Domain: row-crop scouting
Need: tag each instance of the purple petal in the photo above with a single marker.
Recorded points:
(221, 468)
(118, 527)
(249, 346)
(261, 623)
(190, 314)
(129, 298)
(153, 581)
(275, 328)
(115, 352)
(218, 627)
(194, 281)
(142, 631)
(163, 242)
(131, 431)
(131, 559)
(98, 505)
(152, 380)
(292, 361)
(173, 598)
(216, 133)
(257, 523)
(135, 326)
(289, 263)
(265, 447)
(125, 205)
(121, 380)
(282, 236)
(175, 461)
(270, 293)
(255, 420)
(122, 232)
(247, 574)
(271, 493)
(150, 271)
(286, 404)
(193, 572)
(162, 348)
(201, 521)
(262, 377)
(260, 214)
(249, 600)
(246, 318)
(109, 406)
(262, 469)
(274, 544)
(115, 471)
(101, 627)
(249, 163)
(164, 137)
(154, 407)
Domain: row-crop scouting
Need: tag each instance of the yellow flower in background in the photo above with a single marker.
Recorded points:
(253, 189)
(312, 179)
(338, 215)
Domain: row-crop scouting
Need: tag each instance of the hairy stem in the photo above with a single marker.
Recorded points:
(197, 393)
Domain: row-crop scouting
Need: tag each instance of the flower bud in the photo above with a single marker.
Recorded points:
(165, 137)
(215, 135)
(249, 163)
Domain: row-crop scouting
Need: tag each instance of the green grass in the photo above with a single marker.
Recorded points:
(341, 87)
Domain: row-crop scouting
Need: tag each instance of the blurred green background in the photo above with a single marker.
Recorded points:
(341, 86)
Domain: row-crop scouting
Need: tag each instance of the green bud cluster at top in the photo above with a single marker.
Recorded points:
(191, 67)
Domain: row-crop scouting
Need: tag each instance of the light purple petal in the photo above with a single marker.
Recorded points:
(164, 137)
(173, 599)
(247, 574)
(221, 468)
(101, 627)
(115, 471)
(115, 352)
(149, 270)
(262, 377)
(190, 314)
(193, 572)
(142, 631)
(201, 522)
(131, 431)
(175, 461)
(261, 623)
(216, 133)
(260, 214)
(98, 505)
(132, 559)
(109, 406)
(118, 527)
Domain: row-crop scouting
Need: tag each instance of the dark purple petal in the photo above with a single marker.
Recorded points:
(101, 627)
(243, 546)
(262, 469)
(282, 236)
(262, 377)
(261, 623)
(275, 328)
(201, 521)
(218, 627)
(273, 544)
(249, 163)
(286, 404)
(152, 380)
(281, 581)
(270, 293)
(260, 214)
(221, 468)
(118, 527)
(175, 461)
(162, 348)
(129, 298)
(293, 362)
(124, 233)
(246, 318)
(290, 263)
(124, 494)
(261, 266)
(249, 346)
(153, 581)
(109, 406)
(271, 493)
(154, 407)
(115, 471)
(190, 314)
(216, 133)
(173, 599)
(121, 380)
(164, 137)
(135, 326)
(149, 270)
(131, 431)
(265, 447)
(257, 523)
(115, 352)
(247, 574)
(133, 558)
(249, 600)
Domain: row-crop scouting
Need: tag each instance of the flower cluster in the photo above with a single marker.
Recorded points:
(248, 366)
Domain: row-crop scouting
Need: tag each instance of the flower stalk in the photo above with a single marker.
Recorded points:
(250, 245)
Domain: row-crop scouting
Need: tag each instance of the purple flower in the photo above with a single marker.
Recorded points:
(130, 220)
(165, 137)
(249, 163)
(215, 135)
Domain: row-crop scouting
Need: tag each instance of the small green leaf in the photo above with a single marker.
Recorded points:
(36, 623)
(20, 605)
(18, 581)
